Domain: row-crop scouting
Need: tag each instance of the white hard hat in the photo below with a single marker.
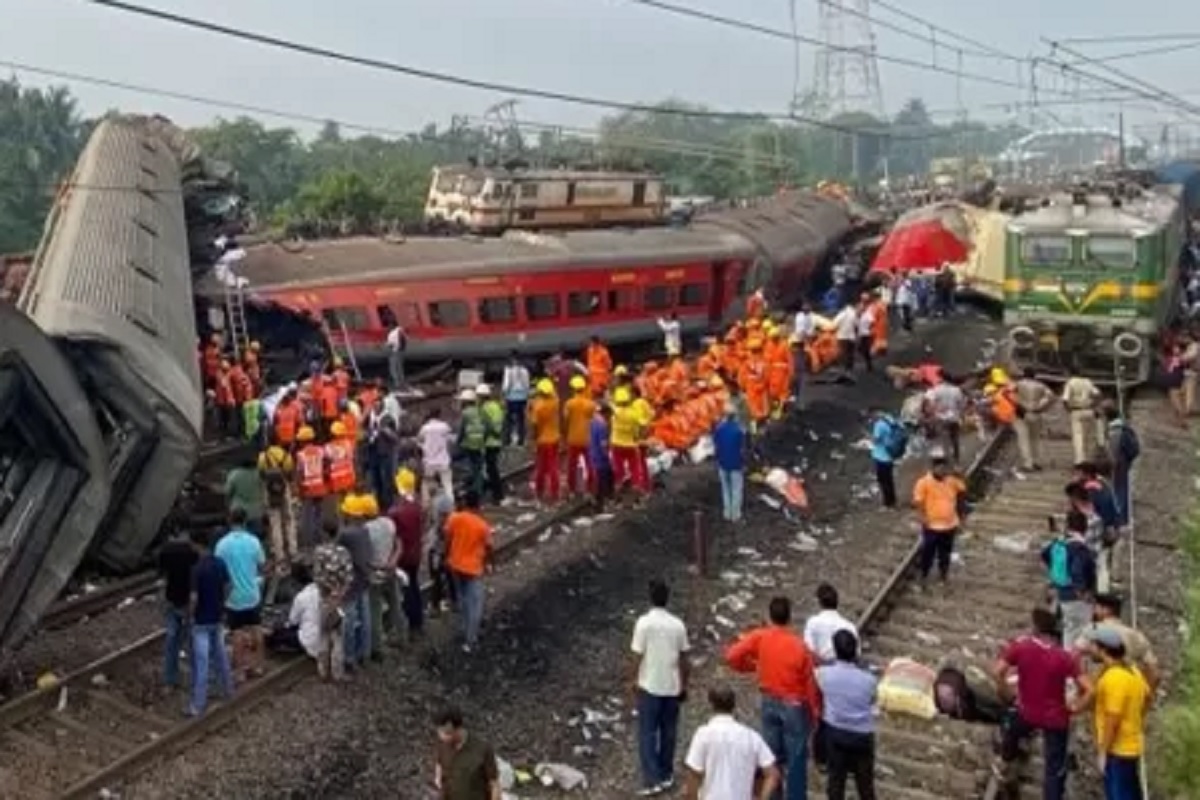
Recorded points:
(483, 390)
(467, 395)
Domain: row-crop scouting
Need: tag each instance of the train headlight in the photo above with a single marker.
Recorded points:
(1128, 345)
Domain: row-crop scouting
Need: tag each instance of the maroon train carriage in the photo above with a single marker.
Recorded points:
(461, 298)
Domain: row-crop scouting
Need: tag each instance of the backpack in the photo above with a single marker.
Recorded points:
(1060, 564)
(275, 481)
(896, 440)
(1129, 445)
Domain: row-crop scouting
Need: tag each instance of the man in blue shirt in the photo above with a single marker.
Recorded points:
(598, 454)
(243, 556)
(883, 433)
(848, 717)
(729, 441)
(210, 584)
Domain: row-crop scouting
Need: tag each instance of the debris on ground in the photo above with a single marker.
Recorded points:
(1017, 543)
(907, 688)
(561, 775)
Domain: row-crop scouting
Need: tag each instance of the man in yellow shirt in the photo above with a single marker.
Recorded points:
(645, 417)
(628, 464)
(277, 470)
(578, 413)
(1121, 698)
(936, 498)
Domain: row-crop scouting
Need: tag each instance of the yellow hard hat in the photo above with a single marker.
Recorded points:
(621, 371)
(753, 323)
(755, 343)
(406, 480)
(622, 396)
(337, 361)
(716, 383)
(337, 429)
(545, 386)
(578, 383)
(998, 376)
(305, 434)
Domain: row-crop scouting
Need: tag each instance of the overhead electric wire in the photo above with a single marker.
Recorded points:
(1129, 38)
(448, 78)
(1141, 87)
(777, 33)
(911, 17)
(1143, 52)
(924, 38)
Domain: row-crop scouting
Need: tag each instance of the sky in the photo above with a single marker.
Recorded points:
(613, 49)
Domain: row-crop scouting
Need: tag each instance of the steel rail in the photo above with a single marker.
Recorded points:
(290, 671)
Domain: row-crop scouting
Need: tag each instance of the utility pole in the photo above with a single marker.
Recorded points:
(1121, 139)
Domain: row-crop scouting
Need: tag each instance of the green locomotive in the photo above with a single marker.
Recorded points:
(1090, 281)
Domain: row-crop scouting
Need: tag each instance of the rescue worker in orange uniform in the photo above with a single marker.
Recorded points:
(677, 379)
(225, 399)
(777, 356)
(599, 366)
(312, 477)
(545, 417)
(709, 361)
(578, 413)
(341, 380)
(752, 378)
(325, 397)
(879, 326)
(253, 368)
(339, 457)
(289, 416)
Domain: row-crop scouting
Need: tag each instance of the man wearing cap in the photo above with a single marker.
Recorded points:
(578, 413)
(356, 509)
(472, 436)
(405, 514)
(493, 421)
(1106, 613)
(1121, 698)
(545, 416)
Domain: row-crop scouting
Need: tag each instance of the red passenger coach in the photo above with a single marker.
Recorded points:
(482, 298)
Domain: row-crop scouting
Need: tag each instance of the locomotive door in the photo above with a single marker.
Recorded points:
(639, 194)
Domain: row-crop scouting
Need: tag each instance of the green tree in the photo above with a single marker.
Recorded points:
(41, 135)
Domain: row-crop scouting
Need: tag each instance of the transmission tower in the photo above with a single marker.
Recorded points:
(846, 76)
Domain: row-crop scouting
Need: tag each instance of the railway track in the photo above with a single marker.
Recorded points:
(106, 720)
(996, 580)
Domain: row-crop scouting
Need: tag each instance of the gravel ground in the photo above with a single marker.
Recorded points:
(557, 631)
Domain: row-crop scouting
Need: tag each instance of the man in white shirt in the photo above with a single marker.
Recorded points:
(945, 405)
(434, 440)
(805, 326)
(906, 300)
(866, 321)
(845, 326)
(305, 614)
(1080, 396)
(515, 388)
(660, 646)
(820, 628)
(397, 343)
(672, 335)
(725, 756)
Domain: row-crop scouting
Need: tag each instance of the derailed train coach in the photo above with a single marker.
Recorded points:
(111, 282)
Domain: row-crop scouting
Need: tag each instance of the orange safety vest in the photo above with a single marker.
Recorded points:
(350, 423)
(327, 399)
(367, 399)
(1004, 406)
(341, 466)
(310, 462)
(287, 422)
(341, 380)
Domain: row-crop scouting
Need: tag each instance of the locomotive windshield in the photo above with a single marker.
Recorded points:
(1111, 252)
(1042, 250)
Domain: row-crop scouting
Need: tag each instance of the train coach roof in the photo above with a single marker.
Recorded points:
(1140, 214)
(288, 265)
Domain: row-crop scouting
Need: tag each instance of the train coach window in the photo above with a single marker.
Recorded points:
(658, 298)
(583, 304)
(355, 319)
(387, 317)
(693, 294)
(541, 306)
(622, 300)
(449, 314)
(529, 190)
(493, 310)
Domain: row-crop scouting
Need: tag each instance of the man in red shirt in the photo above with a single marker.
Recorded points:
(405, 514)
(791, 702)
(1043, 670)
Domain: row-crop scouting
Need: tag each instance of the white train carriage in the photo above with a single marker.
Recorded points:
(494, 199)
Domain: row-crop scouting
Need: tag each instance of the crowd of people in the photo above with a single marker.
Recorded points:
(354, 513)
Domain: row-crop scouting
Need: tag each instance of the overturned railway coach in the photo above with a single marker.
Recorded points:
(483, 298)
